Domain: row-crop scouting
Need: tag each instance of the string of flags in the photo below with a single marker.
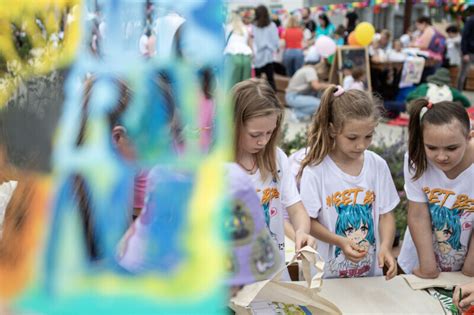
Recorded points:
(453, 5)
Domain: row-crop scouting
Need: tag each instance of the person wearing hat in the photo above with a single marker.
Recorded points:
(438, 89)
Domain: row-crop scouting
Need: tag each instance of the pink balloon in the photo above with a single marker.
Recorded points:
(325, 46)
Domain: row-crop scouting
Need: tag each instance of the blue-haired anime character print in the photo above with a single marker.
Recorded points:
(446, 226)
(356, 223)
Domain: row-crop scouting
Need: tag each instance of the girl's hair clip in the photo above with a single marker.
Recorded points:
(424, 109)
(340, 90)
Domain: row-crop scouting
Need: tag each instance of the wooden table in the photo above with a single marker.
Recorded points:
(386, 65)
(399, 65)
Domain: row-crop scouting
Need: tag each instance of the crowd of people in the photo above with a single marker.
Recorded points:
(290, 46)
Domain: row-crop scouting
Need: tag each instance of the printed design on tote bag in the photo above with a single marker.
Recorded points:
(231, 264)
(240, 224)
(265, 258)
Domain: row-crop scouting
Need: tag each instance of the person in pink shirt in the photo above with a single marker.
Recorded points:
(423, 25)
(206, 111)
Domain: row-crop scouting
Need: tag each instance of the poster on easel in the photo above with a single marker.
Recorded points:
(351, 61)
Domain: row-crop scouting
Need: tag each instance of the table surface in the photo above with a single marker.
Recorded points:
(375, 295)
(399, 64)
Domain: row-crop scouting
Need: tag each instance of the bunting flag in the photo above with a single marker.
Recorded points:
(342, 7)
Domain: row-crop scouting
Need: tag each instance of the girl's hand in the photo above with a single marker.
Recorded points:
(385, 257)
(426, 273)
(352, 251)
(303, 239)
(463, 296)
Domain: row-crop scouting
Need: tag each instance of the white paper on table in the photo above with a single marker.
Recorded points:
(447, 280)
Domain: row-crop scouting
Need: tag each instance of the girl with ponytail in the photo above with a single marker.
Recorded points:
(347, 190)
(438, 174)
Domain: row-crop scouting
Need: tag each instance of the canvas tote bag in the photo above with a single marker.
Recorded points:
(298, 293)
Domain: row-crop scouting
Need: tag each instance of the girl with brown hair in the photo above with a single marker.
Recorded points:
(257, 118)
(348, 190)
(438, 183)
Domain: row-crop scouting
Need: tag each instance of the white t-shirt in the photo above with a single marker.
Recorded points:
(300, 82)
(357, 85)
(237, 43)
(451, 204)
(295, 160)
(349, 206)
(396, 56)
(275, 196)
(347, 83)
(453, 50)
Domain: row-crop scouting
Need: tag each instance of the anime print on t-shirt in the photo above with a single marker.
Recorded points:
(356, 223)
(451, 223)
(268, 195)
(446, 226)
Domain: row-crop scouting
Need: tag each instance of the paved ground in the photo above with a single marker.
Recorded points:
(384, 133)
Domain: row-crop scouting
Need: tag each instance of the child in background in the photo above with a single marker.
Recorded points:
(348, 191)
(453, 46)
(339, 35)
(438, 183)
(347, 75)
(358, 75)
(257, 117)
(396, 54)
(406, 38)
(353, 78)
(384, 40)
